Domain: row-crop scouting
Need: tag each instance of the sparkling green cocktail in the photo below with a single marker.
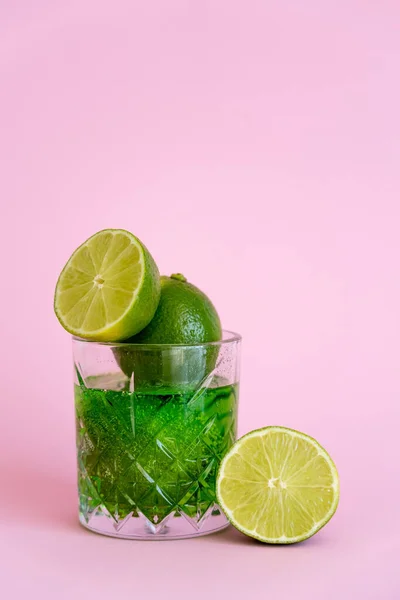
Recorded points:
(152, 454)
(156, 383)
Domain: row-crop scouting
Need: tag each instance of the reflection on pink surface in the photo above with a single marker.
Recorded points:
(254, 147)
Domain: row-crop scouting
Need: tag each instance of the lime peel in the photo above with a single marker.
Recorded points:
(278, 485)
(109, 289)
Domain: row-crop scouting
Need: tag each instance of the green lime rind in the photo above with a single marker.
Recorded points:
(281, 540)
(131, 306)
(184, 316)
(174, 367)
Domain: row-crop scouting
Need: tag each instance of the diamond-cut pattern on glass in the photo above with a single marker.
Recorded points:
(152, 456)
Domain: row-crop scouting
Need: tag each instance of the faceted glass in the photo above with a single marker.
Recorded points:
(153, 423)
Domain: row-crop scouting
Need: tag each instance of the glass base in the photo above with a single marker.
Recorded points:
(173, 527)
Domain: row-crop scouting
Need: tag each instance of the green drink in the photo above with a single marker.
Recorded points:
(152, 454)
(156, 389)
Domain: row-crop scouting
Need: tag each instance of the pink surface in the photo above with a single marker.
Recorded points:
(253, 146)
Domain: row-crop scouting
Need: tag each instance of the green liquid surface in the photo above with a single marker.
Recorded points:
(154, 452)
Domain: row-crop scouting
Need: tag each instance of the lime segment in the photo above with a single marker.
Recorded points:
(278, 485)
(109, 289)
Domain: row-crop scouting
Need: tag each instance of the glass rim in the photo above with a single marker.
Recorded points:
(229, 337)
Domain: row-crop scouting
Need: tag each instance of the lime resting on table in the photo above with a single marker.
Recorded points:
(278, 485)
(109, 289)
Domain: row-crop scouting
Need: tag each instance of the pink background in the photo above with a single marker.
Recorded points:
(254, 146)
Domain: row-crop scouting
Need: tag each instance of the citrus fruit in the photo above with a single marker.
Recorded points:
(184, 316)
(278, 485)
(109, 289)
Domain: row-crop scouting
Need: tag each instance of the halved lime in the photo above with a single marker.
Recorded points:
(109, 289)
(278, 485)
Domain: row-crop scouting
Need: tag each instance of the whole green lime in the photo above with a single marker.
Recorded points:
(184, 316)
